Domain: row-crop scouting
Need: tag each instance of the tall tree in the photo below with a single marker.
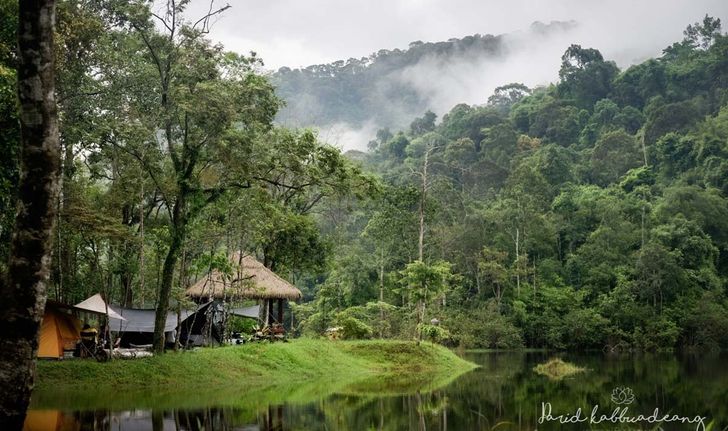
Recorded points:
(210, 105)
(23, 288)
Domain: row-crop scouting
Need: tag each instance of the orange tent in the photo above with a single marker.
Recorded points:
(49, 420)
(59, 331)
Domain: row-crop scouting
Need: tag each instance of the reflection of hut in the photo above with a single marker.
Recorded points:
(250, 280)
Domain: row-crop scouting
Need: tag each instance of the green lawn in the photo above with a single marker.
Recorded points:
(300, 369)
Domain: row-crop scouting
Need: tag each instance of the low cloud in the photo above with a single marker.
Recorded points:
(345, 137)
(297, 33)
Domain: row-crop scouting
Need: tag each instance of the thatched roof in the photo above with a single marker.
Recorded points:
(250, 280)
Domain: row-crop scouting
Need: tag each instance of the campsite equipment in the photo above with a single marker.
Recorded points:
(137, 327)
(97, 305)
(196, 327)
(59, 331)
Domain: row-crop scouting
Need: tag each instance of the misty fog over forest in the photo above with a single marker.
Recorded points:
(367, 83)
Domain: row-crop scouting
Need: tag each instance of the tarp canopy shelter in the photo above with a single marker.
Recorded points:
(97, 305)
(136, 320)
(204, 326)
(252, 312)
(59, 331)
(251, 280)
(138, 324)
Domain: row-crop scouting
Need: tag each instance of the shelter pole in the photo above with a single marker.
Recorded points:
(280, 310)
(178, 330)
(270, 312)
(108, 329)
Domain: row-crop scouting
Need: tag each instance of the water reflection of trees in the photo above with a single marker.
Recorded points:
(503, 393)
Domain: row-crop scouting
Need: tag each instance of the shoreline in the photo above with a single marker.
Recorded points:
(297, 370)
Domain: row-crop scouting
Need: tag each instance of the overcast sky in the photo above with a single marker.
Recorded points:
(302, 32)
(298, 33)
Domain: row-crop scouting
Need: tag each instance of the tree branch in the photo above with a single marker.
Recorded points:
(206, 19)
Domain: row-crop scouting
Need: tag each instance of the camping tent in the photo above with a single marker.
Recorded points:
(49, 420)
(59, 331)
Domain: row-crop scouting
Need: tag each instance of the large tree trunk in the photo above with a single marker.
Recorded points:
(421, 243)
(178, 229)
(423, 198)
(23, 290)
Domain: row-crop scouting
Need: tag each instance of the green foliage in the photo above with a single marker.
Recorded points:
(423, 125)
(354, 329)
(663, 118)
(240, 324)
(591, 213)
(9, 170)
(422, 282)
(434, 333)
(585, 76)
(10, 136)
(483, 326)
(703, 35)
(613, 155)
(508, 95)
(557, 369)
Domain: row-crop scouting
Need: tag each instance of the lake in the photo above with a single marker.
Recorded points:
(671, 392)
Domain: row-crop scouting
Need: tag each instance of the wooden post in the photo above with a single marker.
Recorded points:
(280, 311)
(270, 312)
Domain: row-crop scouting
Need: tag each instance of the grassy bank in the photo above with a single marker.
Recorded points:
(300, 369)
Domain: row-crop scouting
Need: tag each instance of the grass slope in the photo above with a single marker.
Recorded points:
(297, 371)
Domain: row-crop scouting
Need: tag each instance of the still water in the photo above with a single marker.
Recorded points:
(672, 392)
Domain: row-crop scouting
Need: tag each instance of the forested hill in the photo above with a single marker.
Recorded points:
(389, 87)
(588, 214)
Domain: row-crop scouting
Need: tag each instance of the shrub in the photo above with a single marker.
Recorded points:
(354, 329)
(434, 333)
(483, 327)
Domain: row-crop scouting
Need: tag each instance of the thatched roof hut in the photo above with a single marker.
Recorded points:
(250, 280)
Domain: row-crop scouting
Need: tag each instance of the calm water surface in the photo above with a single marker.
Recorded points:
(504, 394)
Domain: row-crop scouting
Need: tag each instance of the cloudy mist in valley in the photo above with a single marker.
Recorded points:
(292, 34)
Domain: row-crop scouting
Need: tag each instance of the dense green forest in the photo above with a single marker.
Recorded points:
(377, 88)
(588, 214)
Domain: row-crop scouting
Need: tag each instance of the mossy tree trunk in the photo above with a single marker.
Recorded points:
(23, 288)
